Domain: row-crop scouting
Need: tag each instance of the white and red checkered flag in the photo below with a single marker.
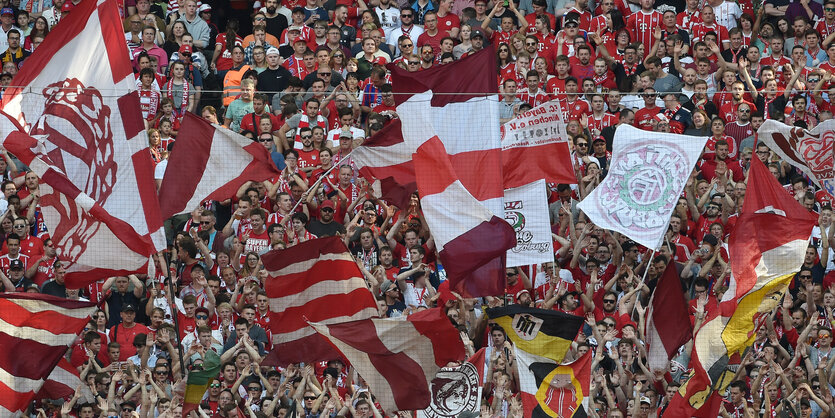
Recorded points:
(40, 328)
(80, 129)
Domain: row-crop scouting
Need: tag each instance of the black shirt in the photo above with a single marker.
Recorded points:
(53, 288)
(320, 229)
(276, 25)
(273, 80)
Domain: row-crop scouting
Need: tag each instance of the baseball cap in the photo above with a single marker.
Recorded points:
(294, 28)
(645, 400)
(8, 11)
(346, 134)
(185, 49)
(128, 307)
(386, 286)
(16, 264)
(599, 138)
(272, 51)
(571, 22)
(477, 33)
(65, 8)
(661, 118)
(204, 8)
(520, 293)
(327, 204)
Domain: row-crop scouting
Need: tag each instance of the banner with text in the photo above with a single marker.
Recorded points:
(526, 210)
(535, 146)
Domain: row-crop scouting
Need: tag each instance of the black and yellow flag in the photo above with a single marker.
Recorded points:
(541, 332)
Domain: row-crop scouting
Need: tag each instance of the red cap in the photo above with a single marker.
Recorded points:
(185, 49)
(327, 204)
(67, 6)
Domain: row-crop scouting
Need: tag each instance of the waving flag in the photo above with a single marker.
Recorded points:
(385, 156)
(535, 146)
(551, 389)
(645, 179)
(398, 358)
(198, 381)
(75, 121)
(668, 321)
(316, 280)
(36, 330)
(62, 382)
(542, 332)
(766, 249)
(810, 151)
(210, 162)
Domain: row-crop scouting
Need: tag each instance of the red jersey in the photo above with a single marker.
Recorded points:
(606, 120)
(728, 110)
(701, 29)
(5, 261)
(434, 41)
(686, 19)
(641, 26)
(309, 158)
(533, 99)
(644, 116)
(573, 110)
(124, 336)
(448, 23)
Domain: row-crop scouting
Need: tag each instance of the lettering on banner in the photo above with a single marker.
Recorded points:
(524, 237)
(642, 193)
(454, 391)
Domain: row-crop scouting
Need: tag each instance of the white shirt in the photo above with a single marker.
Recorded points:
(727, 13)
(332, 138)
(389, 19)
(395, 34)
(4, 42)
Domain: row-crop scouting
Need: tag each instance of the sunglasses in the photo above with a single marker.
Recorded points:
(307, 136)
(530, 43)
(608, 301)
(327, 210)
(204, 222)
(201, 317)
(264, 139)
(160, 373)
(414, 63)
(325, 74)
(582, 145)
(405, 16)
(829, 9)
(309, 398)
(127, 410)
(214, 385)
(512, 274)
(254, 388)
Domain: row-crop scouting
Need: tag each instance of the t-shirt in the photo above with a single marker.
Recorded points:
(124, 336)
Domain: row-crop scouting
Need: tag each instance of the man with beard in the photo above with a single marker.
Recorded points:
(325, 226)
(276, 22)
(741, 128)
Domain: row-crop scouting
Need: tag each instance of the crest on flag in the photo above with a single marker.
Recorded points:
(454, 390)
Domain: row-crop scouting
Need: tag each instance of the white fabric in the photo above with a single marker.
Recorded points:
(646, 176)
(526, 209)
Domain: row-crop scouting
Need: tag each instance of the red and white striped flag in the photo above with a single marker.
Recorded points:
(668, 321)
(79, 129)
(317, 280)
(62, 382)
(210, 162)
(398, 357)
(36, 331)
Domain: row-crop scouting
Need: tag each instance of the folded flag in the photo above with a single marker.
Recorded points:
(668, 320)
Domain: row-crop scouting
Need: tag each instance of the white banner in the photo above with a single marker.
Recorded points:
(526, 210)
(810, 151)
(645, 179)
(454, 390)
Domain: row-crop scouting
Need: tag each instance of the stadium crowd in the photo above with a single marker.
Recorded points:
(307, 80)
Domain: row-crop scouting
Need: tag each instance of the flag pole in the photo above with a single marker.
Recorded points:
(174, 315)
(322, 177)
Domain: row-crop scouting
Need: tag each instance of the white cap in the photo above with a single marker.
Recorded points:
(272, 51)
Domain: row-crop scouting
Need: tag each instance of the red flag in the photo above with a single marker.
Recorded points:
(398, 358)
(384, 156)
(62, 382)
(36, 330)
(210, 162)
(317, 280)
(766, 248)
(668, 321)
(472, 242)
(80, 131)
(535, 146)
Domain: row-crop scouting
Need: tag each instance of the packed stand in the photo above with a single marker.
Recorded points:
(307, 80)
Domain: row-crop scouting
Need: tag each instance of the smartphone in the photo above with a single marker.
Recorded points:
(506, 3)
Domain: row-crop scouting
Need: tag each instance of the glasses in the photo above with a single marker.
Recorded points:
(414, 63)
(608, 301)
(19, 226)
(264, 139)
(583, 144)
(254, 388)
(260, 19)
(127, 409)
(816, 387)
(204, 222)
(325, 74)
(306, 136)
(805, 276)
(512, 274)
(530, 43)
(201, 317)
(405, 16)
(160, 372)
(309, 398)
(744, 110)
(135, 21)
(610, 325)
(406, 45)
(214, 385)
(829, 9)
(326, 210)
(643, 381)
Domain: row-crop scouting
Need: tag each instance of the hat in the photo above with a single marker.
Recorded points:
(572, 22)
(9, 11)
(272, 51)
(201, 309)
(386, 286)
(33, 286)
(645, 400)
(599, 138)
(541, 3)
(346, 134)
(327, 204)
(520, 293)
(128, 307)
(710, 239)
(294, 28)
(65, 8)
(185, 49)
(131, 404)
(477, 33)
(204, 8)
(16, 264)
(297, 9)
(661, 118)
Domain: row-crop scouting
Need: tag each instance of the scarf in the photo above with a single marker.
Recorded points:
(169, 87)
